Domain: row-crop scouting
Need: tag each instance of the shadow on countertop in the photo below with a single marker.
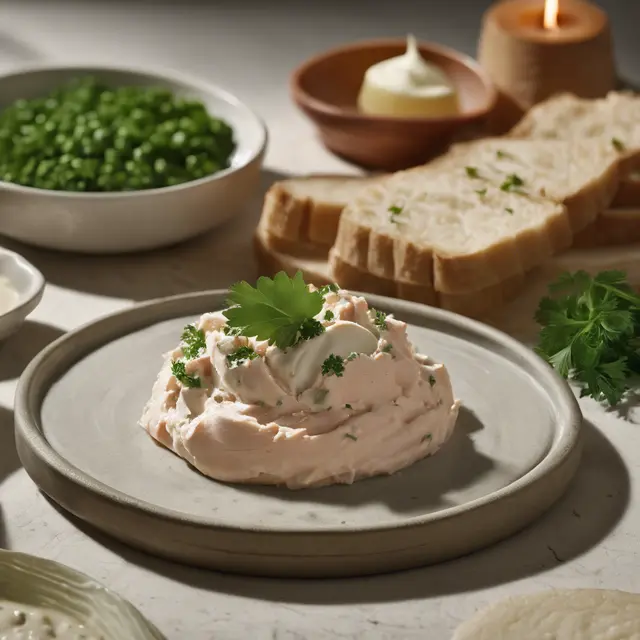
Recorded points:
(23, 346)
(595, 502)
(212, 261)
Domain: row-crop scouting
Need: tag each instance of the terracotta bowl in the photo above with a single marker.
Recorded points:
(326, 88)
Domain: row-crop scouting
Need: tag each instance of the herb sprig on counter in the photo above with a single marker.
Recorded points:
(280, 310)
(591, 332)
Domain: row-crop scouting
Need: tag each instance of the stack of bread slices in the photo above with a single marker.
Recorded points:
(464, 231)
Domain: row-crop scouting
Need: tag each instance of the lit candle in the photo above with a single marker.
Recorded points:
(533, 49)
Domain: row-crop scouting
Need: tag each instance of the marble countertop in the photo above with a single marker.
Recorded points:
(591, 538)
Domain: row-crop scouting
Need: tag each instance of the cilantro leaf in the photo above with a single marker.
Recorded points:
(590, 332)
(179, 370)
(280, 310)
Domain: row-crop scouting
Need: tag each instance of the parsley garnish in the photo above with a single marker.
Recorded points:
(333, 365)
(280, 310)
(230, 331)
(380, 319)
(481, 192)
(387, 348)
(509, 210)
(512, 182)
(432, 380)
(193, 342)
(352, 356)
(395, 211)
(472, 172)
(324, 290)
(350, 436)
(591, 332)
(179, 370)
(348, 406)
(618, 145)
(241, 355)
(328, 316)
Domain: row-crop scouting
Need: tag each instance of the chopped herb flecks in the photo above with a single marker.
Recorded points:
(509, 210)
(512, 182)
(333, 366)
(193, 342)
(395, 211)
(348, 406)
(310, 328)
(380, 319)
(502, 154)
(328, 288)
(240, 356)
(618, 145)
(427, 437)
(231, 331)
(387, 348)
(472, 172)
(432, 380)
(329, 315)
(179, 370)
(352, 356)
(350, 436)
(481, 192)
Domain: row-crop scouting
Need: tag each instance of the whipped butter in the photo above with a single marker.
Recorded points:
(407, 86)
(352, 402)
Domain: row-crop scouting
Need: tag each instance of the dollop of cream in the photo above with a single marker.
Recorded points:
(284, 417)
(407, 86)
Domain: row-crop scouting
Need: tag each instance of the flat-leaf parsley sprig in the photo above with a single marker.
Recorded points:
(280, 310)
(591, 332)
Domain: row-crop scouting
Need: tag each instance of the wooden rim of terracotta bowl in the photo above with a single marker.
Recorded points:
(306, 100)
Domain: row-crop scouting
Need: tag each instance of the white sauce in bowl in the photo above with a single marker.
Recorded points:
(22, 622)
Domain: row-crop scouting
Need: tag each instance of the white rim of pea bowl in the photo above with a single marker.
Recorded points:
(161, 75)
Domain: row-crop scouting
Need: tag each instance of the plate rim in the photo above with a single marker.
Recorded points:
(29, 394)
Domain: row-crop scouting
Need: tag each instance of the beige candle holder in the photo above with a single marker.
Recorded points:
(528, 62)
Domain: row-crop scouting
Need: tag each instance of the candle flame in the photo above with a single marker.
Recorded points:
(551, 10)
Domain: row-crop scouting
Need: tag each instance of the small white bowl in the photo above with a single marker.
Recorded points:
(134, 220)
(27, 283)
(36, 582)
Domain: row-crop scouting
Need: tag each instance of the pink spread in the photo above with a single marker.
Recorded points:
(279, 419)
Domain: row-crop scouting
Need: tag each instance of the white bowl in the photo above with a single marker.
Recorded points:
(134, 220)
(36, 582)
(28, 284)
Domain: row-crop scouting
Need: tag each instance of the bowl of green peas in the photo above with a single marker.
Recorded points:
(112, 160)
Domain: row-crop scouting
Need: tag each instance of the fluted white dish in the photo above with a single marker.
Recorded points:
(36, 582)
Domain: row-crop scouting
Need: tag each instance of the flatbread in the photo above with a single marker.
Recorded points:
(565, 614)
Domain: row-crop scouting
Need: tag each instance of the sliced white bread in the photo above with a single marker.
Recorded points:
(301, 215)
(614, 119)
(462, 225)
(582, 176)
(319, 272)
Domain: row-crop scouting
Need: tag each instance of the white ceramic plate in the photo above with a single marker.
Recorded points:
(23, 279)
(36, 582)
(133, 220)
(515, 448)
